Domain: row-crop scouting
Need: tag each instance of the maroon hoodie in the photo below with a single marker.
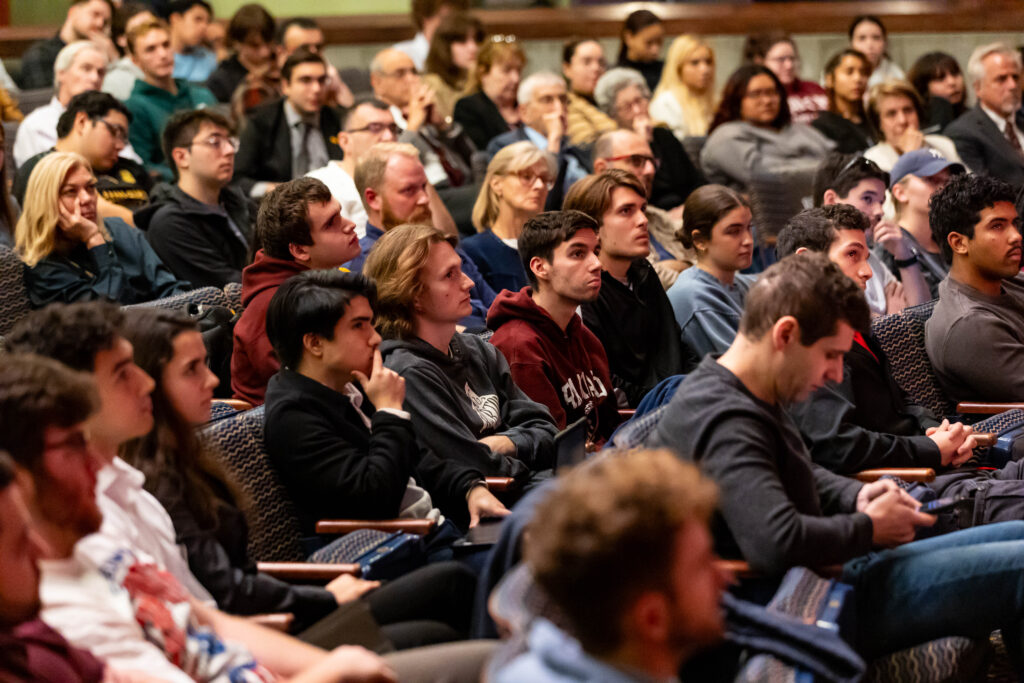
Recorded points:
(253, 362)
(566, 371)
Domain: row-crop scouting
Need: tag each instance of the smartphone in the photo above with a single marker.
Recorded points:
(943, 504)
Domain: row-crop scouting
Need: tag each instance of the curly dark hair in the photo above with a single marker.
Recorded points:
(816, 229)
(70, 333)
(736, 89)
(957, 207)
(841, 173)
(283, 218)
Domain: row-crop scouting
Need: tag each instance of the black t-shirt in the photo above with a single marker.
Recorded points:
(126, 183)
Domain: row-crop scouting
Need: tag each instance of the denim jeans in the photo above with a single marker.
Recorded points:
(966, 583)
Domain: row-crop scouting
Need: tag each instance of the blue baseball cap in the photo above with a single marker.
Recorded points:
(922, 163)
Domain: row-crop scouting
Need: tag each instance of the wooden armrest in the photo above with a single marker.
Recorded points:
(985, 440)
(972, 408)
(306, 571)
(918, 474)
(279, 622)
(626, 413)
(236, 403)
(347, 526)
(499, 483)
(741, 569)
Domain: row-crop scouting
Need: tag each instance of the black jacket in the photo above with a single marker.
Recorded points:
(984, 149)
(557, 194)
(195, 240)
(865, 421)
(639, 331)
(265, 147)
(335, 467)
(848, 136)
(676, 176)
(228, 75)
(480, 118)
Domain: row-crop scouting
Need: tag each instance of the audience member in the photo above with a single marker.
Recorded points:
(869, 37)
(623, 94)
(640, 41)
(542, 107)
(85, 20)
(625, 150)
(366, 123)
(79, 67)
(72, 255)
(250, 36)
(459, 390)
(669, 610)
(895, 111)
(777, 51)
(938, 80)
(778, 510)
(188, 19)
(489, 107)
(427, 16)
(845, 121)
(122, 73)
(753, 132)
(200, 226)
(299, 227)
(9, 111)
(289, 137)
(95, 125)
(552, 356)
(975, 336)
(989, 136)
(518, 180)
(351, 451)
(583, 64)
(852, 179)
(915, 179)
(708, 298)
(157, 94)
(303, 32)
(685, 98)
(452, 58)
(631, 317)
(9, 208)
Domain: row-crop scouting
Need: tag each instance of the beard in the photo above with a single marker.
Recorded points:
(388, 218)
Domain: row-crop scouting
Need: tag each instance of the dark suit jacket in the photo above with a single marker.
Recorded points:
(480, 119)
(984, 149)
(557, 195)
(677, 176)
(265, 149)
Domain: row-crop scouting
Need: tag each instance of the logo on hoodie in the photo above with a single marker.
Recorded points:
(486, 407)
(585, 386)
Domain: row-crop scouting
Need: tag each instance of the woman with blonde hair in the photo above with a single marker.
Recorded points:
(515, 189)
(72, 255)
(685, 98)
(489, 107)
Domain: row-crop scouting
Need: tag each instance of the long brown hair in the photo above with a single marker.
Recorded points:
(454, 28)
(6, 210)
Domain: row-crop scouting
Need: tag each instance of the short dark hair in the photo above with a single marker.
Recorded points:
(251, 18)
(182, 126)
(312, 303)
(301, 56)
(543, 233)
(816, 229)
(70, 333)
(95, 104)
(861, 18)
(957, 207)
(283, 217)
(360, 101)
(122, 15)
(305, 23)
(757, 45)
(736, 89)
(842, 172)
(182, 6)
(810, 288)
(704, 207)
(422, 10)
(36, 393)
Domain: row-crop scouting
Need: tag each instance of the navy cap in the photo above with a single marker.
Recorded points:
(922, 163)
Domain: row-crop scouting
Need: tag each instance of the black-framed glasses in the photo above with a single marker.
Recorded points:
(119, 132)
(376, 128)
(637, 160)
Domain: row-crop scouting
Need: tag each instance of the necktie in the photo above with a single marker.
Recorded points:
(1011, 136)
(302, 159)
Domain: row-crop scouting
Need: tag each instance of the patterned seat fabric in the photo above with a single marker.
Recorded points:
(220, 410)
(204, 296)
(233, 291)
(632, 434)
(237, 442)
(14, 303)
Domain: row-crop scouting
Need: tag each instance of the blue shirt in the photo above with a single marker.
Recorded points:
(196, 65)
(499, 264)
(707, 310)
(573, 170)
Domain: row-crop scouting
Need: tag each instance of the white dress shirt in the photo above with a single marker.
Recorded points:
(38, 133)
(343, 188)
(1001, 124)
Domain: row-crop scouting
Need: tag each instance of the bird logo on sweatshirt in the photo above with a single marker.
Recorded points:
(486, 407)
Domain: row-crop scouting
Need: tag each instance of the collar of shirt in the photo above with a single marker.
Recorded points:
(399, 117)
(294, 117)
(118, 480)
(536, 137)
(996, 119)
(356, 398)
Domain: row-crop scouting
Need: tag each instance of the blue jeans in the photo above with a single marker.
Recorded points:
(966, 583)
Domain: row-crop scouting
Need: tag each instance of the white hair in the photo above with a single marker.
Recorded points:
(615, 81)
(534, 81)
(66, 57)
(975, 68)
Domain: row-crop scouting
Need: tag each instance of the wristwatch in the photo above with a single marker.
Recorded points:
(907, 262)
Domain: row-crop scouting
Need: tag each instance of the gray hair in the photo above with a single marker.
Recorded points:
(66, 57)
(615, 81)
(975, 68)
(534, 81)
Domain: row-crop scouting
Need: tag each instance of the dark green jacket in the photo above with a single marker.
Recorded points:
(151, 107)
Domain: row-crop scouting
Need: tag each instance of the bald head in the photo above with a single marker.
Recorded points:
(625, 150)
(393, 76)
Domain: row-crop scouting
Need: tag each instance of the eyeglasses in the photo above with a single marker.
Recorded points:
(216, 142)
(503, 38)
(637, 160)
(638, 103)
(529, 178)
(404, 72)
(119, 132)
(376, 128)
(770, 93)
(865, 163)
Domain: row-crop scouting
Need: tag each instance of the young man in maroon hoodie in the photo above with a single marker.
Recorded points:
(299, 228)
(553, 357)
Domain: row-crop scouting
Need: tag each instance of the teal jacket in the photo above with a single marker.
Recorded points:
(151, 107)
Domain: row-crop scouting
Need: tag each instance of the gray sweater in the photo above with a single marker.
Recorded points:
(976, 342)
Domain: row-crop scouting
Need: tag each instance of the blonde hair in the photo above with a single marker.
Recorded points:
(394, 265)
(139, 30)
(698, 108)
(37, 232)
(511, 159)
(371, 168)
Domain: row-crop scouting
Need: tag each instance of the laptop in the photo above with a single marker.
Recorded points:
(571, 445)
